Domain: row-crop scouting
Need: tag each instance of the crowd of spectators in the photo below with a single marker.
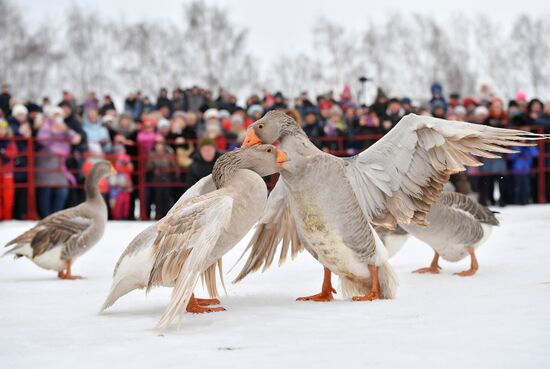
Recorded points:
(181, 133)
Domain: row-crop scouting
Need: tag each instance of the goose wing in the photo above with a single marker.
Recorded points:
(184, 244)
(397, 179)
(276, 225)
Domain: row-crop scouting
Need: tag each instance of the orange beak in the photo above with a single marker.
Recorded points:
(251, 138)
(281, 158)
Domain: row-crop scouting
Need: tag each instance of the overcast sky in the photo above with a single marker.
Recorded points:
(285, 25)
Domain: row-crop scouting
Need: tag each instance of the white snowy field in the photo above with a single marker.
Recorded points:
(500, 318)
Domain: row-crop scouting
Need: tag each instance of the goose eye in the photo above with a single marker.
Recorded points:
(261, 126)
(269, 150)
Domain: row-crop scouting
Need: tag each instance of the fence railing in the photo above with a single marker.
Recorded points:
(337, 145)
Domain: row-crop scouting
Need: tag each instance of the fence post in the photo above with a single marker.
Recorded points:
(141, 183)
(541, 173)
(31, 190)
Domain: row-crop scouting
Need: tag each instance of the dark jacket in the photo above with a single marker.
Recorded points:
(199, 168)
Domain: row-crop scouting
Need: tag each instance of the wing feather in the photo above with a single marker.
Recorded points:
(397, 179)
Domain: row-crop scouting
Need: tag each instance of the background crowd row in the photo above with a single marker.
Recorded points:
(177, 137)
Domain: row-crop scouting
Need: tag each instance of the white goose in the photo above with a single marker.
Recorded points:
(197, 232)
(457, 227)
(330, 205)
(58, 240)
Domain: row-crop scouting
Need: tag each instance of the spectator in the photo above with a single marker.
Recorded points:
(8, 153)
(190, 130)
(120, 186)
(312, 127)
(163, 101)
(108, 105)
(346, 98)
(96, 133)
(255, 112)
(178, 100)
(203, 161)
(53, 178)
(394, 111)
(5, 99)
(21, 131)
(162, 168)
(147, 137)
(493, 170)
(195, 100)
(454, 100)
(406, 105)
(163, 128)
(279, 102)
(522, 162)
(437, 97)
(133, 106)
(334, 127)
(237, 131)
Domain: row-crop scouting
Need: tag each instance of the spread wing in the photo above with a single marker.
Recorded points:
(62, 228)
(277, 225)
(397, 179)
(184, 244)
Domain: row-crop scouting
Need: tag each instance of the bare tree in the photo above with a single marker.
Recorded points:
(216, 48)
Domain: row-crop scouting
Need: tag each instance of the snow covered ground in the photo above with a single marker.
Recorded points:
(500, 318)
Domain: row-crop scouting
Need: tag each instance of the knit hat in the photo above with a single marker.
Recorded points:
(19, 109)
(223, 114)
(256, 108)
(481, 110)
(460, 110)
(211, 114)
(207, 142)
(163, 123)
(436, 87)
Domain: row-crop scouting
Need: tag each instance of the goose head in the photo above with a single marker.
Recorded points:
(273, 126)
(262, 159)
(100, 169)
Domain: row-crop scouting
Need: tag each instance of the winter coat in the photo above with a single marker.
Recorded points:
(134, 108)
(50, 162)
(199, 168)
(147, 139)
(522, 161)
(97, 133)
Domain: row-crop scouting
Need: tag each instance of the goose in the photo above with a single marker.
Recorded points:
(457, 227)
(56, 241)
(329, 205)
(191, 239)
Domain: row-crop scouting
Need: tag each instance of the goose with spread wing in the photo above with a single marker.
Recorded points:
(198, 231)
(58, 240)
(329, 205)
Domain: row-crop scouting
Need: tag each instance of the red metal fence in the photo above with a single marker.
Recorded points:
(336, 145)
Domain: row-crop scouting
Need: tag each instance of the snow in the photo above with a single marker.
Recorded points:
(497, 319)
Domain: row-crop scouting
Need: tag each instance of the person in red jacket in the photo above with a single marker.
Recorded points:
(8, 152)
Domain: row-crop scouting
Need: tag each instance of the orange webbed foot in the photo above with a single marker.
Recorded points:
(430, 269)
(197, 309)
(323, 296)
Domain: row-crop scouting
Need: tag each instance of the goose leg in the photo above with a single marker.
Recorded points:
(433, 268)
(375, 286)
(474, 266)
(67, 273)
(326, 290)
(194, 307)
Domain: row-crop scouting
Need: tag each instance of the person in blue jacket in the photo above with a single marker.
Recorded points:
(522, 162)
